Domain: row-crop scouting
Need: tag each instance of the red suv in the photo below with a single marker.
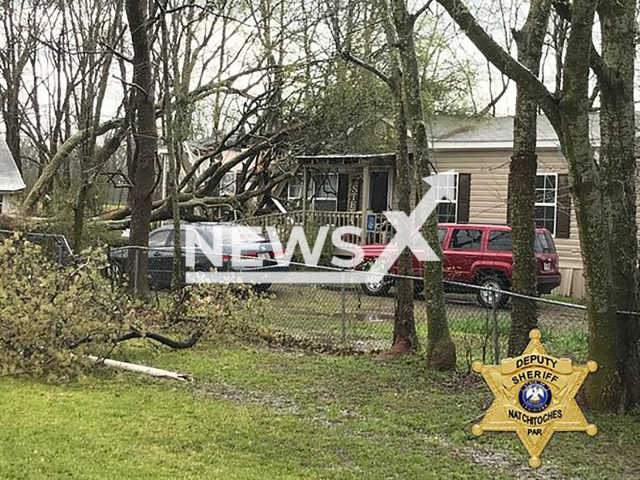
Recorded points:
(479, 254)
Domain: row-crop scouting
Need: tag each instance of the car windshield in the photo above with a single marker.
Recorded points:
(544, 243)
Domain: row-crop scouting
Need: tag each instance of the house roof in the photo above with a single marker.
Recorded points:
(10, 178)
(373, 159)
(468, 133)
(497, 132)
(493, 132)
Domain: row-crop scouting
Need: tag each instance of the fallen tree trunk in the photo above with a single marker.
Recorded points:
(120, 219)
(61, 156)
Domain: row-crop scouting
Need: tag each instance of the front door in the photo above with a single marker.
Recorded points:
(379, 192)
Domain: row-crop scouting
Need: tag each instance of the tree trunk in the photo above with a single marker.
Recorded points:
(79, 209)
(603, 388)
(405, 338)
(176, 283)
(522, 181)
(142, 171)
(441, 352)
(617, 159)
(570, 118)
(12, 121)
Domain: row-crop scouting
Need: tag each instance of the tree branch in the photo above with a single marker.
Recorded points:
(420, 11)
(502, 60)
(61, 155)
(563, 9)
(367, 66)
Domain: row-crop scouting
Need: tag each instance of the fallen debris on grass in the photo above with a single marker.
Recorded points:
(132, 367)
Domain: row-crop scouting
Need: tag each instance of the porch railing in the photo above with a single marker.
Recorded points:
(284, 222)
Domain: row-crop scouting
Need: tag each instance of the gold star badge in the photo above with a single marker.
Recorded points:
(534, 397)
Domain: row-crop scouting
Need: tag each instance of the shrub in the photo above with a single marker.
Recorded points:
(236, 309)
(51, 316)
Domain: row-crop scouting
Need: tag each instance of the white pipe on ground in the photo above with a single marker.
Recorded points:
(132, 367)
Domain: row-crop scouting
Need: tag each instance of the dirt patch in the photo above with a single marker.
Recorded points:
(229, 393)
(484, 457)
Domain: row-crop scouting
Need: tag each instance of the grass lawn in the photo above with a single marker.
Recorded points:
(256, 412)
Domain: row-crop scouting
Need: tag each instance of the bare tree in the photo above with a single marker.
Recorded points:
(91, 24)
(522, 180)
(441, 351)
(19, 40)
(618, 162)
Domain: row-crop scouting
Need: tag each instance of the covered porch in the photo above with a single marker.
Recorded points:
(340, 190)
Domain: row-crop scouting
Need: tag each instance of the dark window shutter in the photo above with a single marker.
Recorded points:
(343, 192)
(464, 196)
(509, 200)
(563, 211)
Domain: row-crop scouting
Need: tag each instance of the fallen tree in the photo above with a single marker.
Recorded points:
(53, 317)
(73, 142)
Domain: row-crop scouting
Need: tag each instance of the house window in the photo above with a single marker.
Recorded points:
(228, 184)
(322, 191)
(294, 190)
(325, 192)
(447, 209)
(546, 204)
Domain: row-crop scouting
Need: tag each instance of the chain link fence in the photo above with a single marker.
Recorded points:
(56, 247)
(343, 314)
(348, 316)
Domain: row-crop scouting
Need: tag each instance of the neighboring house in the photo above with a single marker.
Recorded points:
(11, 184)
(479, 152)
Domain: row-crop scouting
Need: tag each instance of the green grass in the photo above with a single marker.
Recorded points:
(257, 412)
(565, 299)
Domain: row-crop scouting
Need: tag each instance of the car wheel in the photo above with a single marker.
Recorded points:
(377, 287)
(490, 292)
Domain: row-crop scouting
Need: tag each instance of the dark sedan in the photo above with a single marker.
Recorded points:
(195, 239)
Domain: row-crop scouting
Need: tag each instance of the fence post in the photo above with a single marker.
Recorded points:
(496, 332)
(344, 313)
